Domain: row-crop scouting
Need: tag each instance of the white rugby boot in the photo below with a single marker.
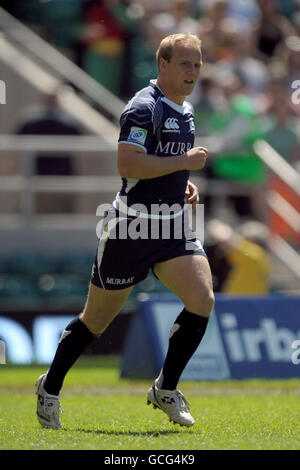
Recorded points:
(48, 406)
(172, 402)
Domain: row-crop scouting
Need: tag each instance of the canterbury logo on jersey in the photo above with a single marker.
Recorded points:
(171, 124)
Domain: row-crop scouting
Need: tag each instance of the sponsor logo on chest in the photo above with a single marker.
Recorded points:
(172, 148)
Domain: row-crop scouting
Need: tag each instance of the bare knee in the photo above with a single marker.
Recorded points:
(96, 320)
(202, 302)
(209, 301)
(90, 322)
(101, 307)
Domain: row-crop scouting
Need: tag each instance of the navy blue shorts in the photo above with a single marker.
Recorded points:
(128, 247)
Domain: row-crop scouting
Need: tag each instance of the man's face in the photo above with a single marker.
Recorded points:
(181, 73)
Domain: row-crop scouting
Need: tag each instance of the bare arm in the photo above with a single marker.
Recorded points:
(133, 162)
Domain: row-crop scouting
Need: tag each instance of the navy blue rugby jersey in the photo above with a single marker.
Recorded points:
(163, 128)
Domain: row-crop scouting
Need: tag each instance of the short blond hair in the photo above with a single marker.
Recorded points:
(166, 46)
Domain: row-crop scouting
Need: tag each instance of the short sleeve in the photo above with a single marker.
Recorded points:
(137, 127)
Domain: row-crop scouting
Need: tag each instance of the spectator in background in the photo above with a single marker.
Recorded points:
(143, 47)
(47, 118)
(271, 29)
(178, 19)
(220, 20)
(246, 251)
(59, 22)
(210, 101)
(107, 27)
(237, 126)
(281, 127)
(291, 59)
(155, 23)
(244, 13)
(253, 72)
(219, 264)
(213, 17)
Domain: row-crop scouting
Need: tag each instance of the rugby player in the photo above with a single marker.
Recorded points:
(155, 155)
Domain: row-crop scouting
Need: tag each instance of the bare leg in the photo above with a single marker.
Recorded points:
(102, 306)
(189, 277)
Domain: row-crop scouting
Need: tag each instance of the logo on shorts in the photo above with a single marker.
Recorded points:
(118, 282)
(137, 135)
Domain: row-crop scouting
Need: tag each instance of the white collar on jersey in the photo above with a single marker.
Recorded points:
(180, 109)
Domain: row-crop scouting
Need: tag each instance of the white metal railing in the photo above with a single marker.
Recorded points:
(286, 254)
(274, 161)
(30, 144)
(283, 208)
(28, 184)
(60, 184)
(45, 82)
(278, 165)
(34, 46)
(57, 143)
(288, 175)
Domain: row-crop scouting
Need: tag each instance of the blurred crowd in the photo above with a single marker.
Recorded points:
(250, 53)
(250, 80)
(250, 48)
(115, 40)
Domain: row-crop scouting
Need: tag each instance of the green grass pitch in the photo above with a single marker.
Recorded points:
(104, 412)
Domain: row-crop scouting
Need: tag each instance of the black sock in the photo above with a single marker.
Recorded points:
(189, 330)
(75, 338)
